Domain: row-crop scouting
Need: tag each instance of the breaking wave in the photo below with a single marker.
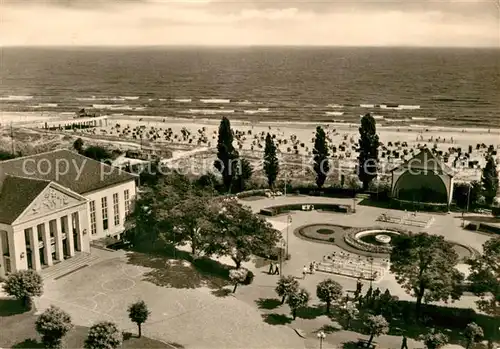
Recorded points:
(215, 100)
(334, 113)
(16, 98)
(210, 111)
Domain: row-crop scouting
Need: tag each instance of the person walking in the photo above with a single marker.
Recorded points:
(404, 343)
(277, 270)
(304, 272)
(271, 269)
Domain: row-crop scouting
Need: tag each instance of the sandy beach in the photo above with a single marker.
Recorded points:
(295, 140)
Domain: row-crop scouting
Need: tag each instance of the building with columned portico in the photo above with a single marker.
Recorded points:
(53, 204)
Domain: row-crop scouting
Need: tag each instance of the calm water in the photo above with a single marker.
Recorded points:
(458, 87)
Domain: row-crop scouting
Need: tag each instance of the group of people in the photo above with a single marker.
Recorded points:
(312, 267)
(273, 269)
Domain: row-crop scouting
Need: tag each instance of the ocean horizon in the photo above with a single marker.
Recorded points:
(457, 87)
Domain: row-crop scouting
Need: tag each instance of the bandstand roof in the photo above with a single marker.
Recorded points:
(425, 160)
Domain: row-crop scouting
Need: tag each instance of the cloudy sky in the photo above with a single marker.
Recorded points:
(251, 22)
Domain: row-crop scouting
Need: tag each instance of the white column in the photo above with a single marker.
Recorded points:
(47, 245)
(35, 250)
(69, 237)
(59, 242)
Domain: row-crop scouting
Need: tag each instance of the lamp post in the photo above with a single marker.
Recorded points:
(468, 198)
(321, 336)
(282, 247)
(371, 270)
(289, 221)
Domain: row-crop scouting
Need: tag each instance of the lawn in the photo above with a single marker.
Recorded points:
(18, 331)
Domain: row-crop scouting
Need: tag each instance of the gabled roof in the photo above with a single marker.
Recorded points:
(425, 160)
(16, 194)
(82, 175)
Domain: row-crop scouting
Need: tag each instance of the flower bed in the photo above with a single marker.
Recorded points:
(276, 210)
(323, 232)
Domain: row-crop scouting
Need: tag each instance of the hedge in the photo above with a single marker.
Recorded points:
(276, 210)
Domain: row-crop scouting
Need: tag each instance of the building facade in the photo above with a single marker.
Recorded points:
(53, 204)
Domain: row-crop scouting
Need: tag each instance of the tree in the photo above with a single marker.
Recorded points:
(96, 153)
(239, 233)
(244, 171)
(78, 145)
(271, 164)
(368, 150)
(350, 312)
(103, 335)
(227, 155)
(376, 325)
(473, 333)
(489, 180)
(297, 300)
(321, 153)
(434, 340)
(138, 312)
(24, 285)
(53, 324)
(424, 266)
(192, 219)
(237, 276)
(485, 277)
(329, 291)
(286, 286)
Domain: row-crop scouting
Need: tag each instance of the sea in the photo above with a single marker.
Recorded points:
(400, 86)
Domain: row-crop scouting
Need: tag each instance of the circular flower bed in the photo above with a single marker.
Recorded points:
(324, 232)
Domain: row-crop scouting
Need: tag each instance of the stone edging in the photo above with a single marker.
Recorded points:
(352, 240)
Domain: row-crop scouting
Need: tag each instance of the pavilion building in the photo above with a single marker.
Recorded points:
(53, 204)
(423, 179)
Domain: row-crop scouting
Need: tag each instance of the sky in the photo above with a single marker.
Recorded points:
(463, 23)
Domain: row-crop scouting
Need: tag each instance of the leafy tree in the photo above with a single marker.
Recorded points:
(24, 285)
(239, 233)
(434, 340)
(349, 311)
(321, 153)
(192, 219)
(368, 150)
(103, 335)
(297, 300)
(78, 145)
(473, 333)
(376, 325)
(227, 155)
(97, 153)
(237, 276)
(461, 193)
(53, 324)
(271, 164)
(286, 286)
(485, 277)
(244, 171)
(424, 266)
(490, 180)
(138, 313)
(329, 291)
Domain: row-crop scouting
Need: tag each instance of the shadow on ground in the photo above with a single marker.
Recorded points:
(9, 307)
(268, 303)
(222, 292)
(175, 268)
(276, 319)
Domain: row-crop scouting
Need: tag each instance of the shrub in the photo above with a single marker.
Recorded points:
(249, 278)
(53, 324)
(103, 335)
(24, 285)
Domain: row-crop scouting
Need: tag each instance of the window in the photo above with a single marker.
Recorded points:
(116, 210)
(104, 205)
(93, 220)
(126, 195)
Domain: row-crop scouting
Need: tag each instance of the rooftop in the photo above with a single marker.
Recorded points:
(425, 160)
(67, 168)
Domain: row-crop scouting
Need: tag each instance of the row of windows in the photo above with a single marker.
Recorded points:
(104, 211)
